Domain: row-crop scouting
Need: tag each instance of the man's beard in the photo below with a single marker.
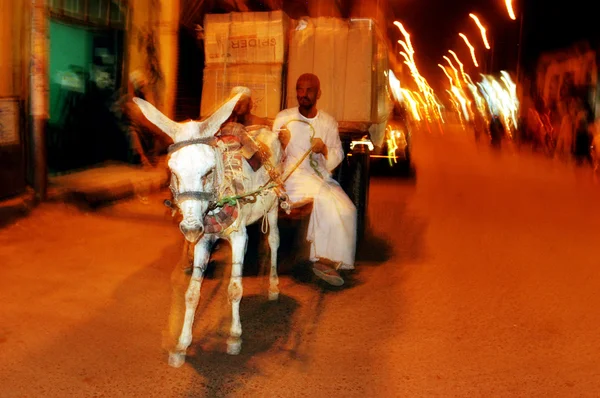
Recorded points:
(305, 103)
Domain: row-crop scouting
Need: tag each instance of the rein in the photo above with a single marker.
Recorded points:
(313, 163)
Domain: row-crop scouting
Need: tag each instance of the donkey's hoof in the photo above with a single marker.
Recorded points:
(234, 346)
(176, 359)
(273, 296)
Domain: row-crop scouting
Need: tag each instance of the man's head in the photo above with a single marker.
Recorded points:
(308, 91)
(244, 105)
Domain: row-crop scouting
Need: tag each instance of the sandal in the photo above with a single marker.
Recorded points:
(328, 274)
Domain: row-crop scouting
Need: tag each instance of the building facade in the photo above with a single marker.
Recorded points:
(63, 63)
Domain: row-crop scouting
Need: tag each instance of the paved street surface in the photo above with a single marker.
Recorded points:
(479, 279)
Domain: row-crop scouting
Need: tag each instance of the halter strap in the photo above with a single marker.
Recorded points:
(210, 141)
(195, 195)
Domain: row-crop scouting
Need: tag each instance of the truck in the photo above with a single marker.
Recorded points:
(268, 51)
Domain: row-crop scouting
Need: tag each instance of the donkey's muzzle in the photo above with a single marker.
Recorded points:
(191, 232)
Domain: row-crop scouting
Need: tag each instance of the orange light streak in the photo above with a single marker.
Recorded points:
(455, 71)
(481, 29)
(422, 84)
(470, 48)
(460, 64)
(405, 33)
(509, 8)
(446, 73)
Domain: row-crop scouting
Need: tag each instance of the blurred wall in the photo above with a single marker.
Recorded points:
(161, 16)
(13, 46)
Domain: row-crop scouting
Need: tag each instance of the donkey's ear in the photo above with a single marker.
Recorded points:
(212, 124)
(155, 116)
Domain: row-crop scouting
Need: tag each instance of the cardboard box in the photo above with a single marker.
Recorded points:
(360, 71)
(246, 37)
(265, 81)
(343, 54)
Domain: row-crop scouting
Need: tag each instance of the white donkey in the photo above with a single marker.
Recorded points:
(202, 171)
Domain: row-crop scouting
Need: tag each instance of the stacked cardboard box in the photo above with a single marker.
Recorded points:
(263, 79)
(245, 49)
(350, 60)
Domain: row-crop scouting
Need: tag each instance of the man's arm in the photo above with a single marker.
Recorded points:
(283, 135)
(335, 152)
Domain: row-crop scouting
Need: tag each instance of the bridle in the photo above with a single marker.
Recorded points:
(193, 195)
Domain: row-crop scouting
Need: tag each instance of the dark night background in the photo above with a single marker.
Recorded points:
(434, 26)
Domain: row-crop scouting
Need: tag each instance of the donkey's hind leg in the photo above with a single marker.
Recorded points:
(273, 246)
(192, 297)
(238, 240)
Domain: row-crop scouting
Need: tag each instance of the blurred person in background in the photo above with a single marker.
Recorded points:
(595, 147)
(242, 113)
(583, 139)
(540, 126)
(496, 131)
(479, 125)
(332, 225)
(147, 141)
(253, 131)
(564, 140)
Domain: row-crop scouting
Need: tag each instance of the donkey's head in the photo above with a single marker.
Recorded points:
(192, 161)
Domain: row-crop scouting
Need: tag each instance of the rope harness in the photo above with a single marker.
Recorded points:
(276, 180)
(227, 178)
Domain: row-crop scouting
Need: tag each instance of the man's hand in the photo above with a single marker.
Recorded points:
(318, 146)
(284, 137)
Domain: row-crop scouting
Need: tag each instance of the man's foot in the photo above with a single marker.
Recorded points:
(327, 273)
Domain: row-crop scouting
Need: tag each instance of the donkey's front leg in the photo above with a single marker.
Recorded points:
(238, 240)
(192, 296)
(274, 246)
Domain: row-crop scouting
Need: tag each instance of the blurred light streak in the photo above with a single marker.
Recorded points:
(395, 86)
(404, 33)
(482, 30)
(422, 85)
(501, 99)
(413, 104)
(446, 73)
(456, 106)
(402, 95)
(470, 48)
(392, 145)
(462, 100)
(454, 69)
(509, 8)
(460, 64)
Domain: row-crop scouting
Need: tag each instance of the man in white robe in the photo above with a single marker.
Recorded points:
(332, 225)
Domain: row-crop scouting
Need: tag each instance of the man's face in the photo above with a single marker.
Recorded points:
(243, 106)
(307, 93)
